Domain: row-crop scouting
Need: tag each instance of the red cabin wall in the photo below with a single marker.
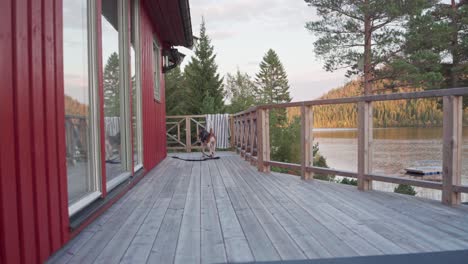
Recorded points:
(154, 113)
(34, 220)
(33, 190)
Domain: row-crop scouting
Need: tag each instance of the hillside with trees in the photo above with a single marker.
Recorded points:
(400, 113)
(74, 107)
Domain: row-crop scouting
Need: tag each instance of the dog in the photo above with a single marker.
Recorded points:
(208, 140)
(112, 147)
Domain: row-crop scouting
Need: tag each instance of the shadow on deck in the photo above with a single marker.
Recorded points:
(223, 210)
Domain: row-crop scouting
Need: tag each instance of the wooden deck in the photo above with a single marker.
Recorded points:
(223, 210)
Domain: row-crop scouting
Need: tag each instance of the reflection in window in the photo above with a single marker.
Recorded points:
(77, 99)
(112, 89)
(157, 70)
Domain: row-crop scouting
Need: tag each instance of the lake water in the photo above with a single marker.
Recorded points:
(394, 150)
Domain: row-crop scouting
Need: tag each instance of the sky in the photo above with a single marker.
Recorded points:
(243, 30)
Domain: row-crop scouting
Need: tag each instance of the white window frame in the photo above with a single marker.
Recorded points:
(139, 105)
(94, 131)
(157, 70)
(125, 111)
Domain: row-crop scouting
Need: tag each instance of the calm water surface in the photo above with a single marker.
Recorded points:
(394, 150)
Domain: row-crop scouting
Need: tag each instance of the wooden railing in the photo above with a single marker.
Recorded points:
(76, 128)
(182, 132)
(252, 140)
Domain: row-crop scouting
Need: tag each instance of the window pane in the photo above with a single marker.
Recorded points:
(135, 89)
(157, 70)
(77, 91)
(112, 89)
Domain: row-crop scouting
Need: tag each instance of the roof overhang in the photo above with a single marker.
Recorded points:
(173, 21)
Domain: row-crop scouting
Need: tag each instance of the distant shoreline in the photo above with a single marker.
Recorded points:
(355, 129)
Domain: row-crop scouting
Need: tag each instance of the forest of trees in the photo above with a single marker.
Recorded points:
(419, 43)
(74, 107)
(401, 113)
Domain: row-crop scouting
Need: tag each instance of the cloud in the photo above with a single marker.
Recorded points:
(242, 30)
(221, 35)
(239, 11)
(253, 63)
(74, 14)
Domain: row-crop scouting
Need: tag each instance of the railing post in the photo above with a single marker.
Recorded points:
(243, 126)
(178, 131)
(452, 148)
(238, 134)
(246, 136)
(248, 120)
(252, 135)
(263, 140)
(231, 128)
(365, 124)
(307, 122)
(188, 135)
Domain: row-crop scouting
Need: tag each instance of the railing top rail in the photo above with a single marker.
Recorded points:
(367, 98)
(185, 116)
(248, 111)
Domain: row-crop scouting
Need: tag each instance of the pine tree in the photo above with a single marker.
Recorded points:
(176, 93)
(112, 86)
(202, 78)
(272, 80)
(436, 47)
(360, 35)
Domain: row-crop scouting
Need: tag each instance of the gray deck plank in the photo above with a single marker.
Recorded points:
(260, 244)
(416, 228)
(165, 244)
(212, 241)
(391, 216)
(382, 222)
(224, 210)
(309, 245)
(284, 244)
(379, 241)
(140, 247)
(235, 241)
(188, 246)
(327, 238)
(90, 251)
(350, 237)
(67, 252)
(117, 246)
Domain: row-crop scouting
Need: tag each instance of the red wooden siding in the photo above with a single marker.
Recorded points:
(34, 220)
(9, 248)
(154, 113)
(33, 193)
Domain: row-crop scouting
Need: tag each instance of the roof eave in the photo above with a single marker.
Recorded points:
(187, 22)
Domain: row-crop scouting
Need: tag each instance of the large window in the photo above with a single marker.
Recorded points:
(82, 101)
(116, 110)
(80, 106)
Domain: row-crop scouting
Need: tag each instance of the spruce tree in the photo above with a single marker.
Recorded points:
(273, 87)
(272, 80)
(202, 78)
(112, 86)
(176, 93)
